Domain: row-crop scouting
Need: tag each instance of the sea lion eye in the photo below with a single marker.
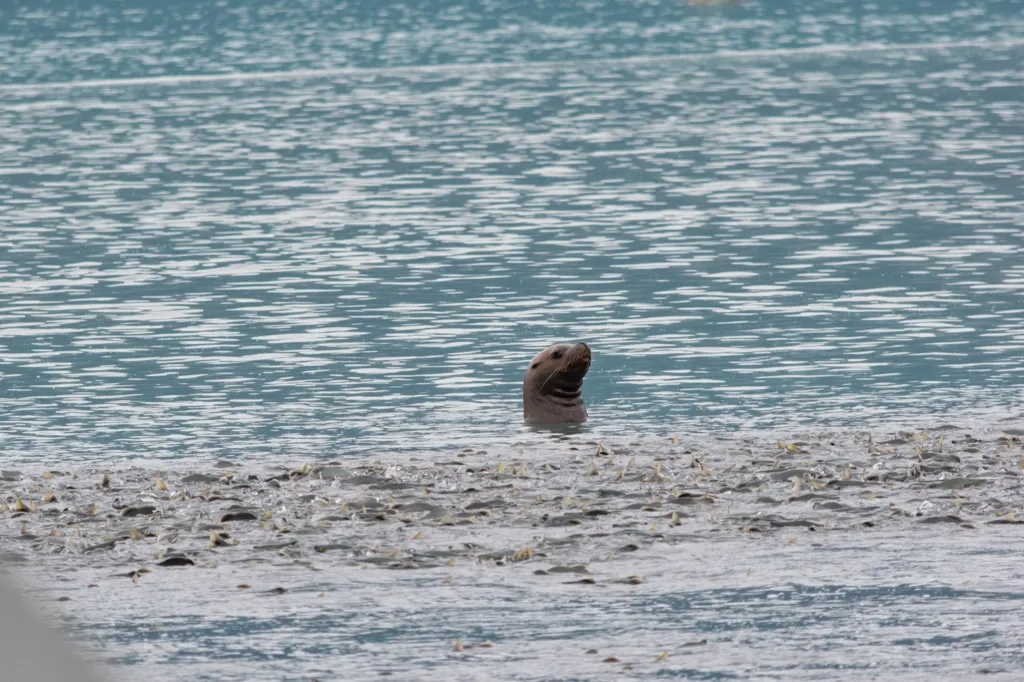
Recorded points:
(535, 365)
(557, 354)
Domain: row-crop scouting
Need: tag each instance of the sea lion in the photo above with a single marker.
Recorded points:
(552, 389)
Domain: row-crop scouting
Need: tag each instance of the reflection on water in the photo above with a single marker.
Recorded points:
(328, 263)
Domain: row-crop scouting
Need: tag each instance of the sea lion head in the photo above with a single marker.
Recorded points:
(553, 387)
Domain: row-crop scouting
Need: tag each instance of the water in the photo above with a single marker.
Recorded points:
(700, 559)
(266, 231)
(800, 230)
(761, 627)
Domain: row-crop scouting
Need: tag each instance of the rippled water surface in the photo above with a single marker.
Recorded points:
(792, 230)
(266, 231)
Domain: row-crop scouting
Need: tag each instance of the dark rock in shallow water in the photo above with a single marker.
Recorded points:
(109, 544)
(958, 483)
(686, 497)
(787, 474)
(571, 519)
(200, 478)
(238, 516)
(811, 496)
(177, 560)
(590, 581)
(496, 503)
(940, 457)
(948, 518)
(415, 507)
(275, 546)
(782, 522)
(217, 497)
(918, 470)
(142, 510)
(333, 546)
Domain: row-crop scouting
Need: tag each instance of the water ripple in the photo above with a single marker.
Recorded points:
(337, 259)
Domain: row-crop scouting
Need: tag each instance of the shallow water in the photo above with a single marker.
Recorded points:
(263, 233)
(713, 618)
(742, 558)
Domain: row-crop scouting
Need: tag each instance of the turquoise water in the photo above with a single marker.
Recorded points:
(757, 216)
(274, 231)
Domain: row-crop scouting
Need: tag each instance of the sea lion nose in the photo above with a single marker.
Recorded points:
(584, 349)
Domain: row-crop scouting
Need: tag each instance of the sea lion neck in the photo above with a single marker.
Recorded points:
(563, 385)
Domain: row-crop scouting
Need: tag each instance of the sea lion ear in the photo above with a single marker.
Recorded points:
(535, 365)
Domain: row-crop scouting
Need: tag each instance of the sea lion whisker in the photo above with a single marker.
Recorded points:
(569, 362)
(559, 370)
